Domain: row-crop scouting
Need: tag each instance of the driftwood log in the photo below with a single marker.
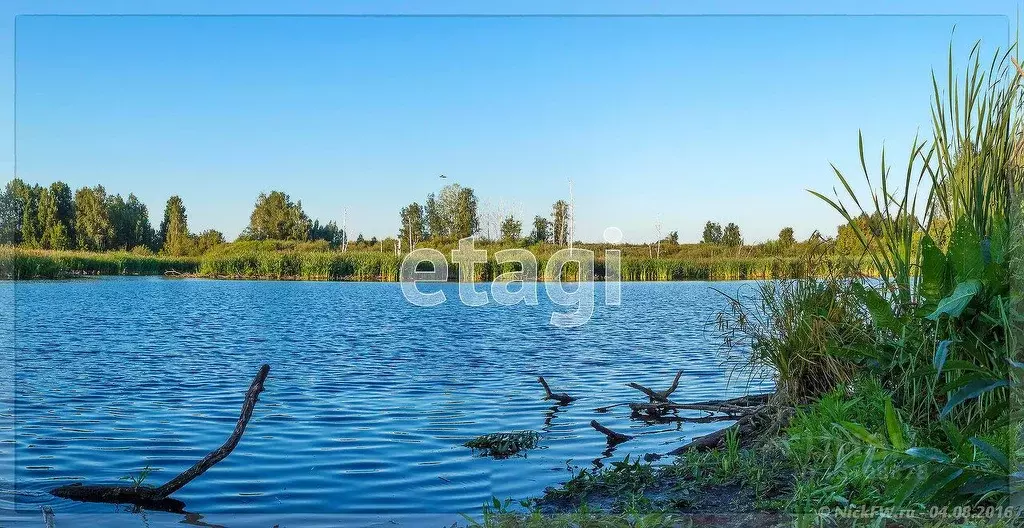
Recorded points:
(658, 396)
(561, 397)
(158, 498)
(748, 428)
(613, 437)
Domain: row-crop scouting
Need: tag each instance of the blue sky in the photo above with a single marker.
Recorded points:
(670, 119)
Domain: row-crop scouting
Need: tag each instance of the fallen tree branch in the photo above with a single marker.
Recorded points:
(560, 397)
(158, 497)
(661, 396)
(748, 428)
(662, 408)
(613, 437)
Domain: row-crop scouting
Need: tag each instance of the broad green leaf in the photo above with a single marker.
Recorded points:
(910, 482)
(933, 270)
(983, 484)
(861, 433)
(998, 240)
(879, 308)
(939, 361)
(928, 453)
(971, 390)
(965, 252)
(893, 426)
(956, 302)
(937, 481)
(993, 453)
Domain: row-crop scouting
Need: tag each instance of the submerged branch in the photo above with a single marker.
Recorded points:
(613, 437)
(158, 497)
(660, 396)
(561, 397)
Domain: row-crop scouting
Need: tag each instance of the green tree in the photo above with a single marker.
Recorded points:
(93, 230)
(413, 226)
(435, 223)
(65, 206)
(786, 239)
(55, 233)
(673, 238)
(467, 223)
(560, 222)
(276, 217)
(452, 214)
(11, 210)
(731, 235)
(174, 232)
(541, 229)
(207, 240)
(712, 233)
(329, 232)
(28, 196)
(511, 229)
(130, 219)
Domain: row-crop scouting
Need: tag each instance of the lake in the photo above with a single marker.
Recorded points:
(367, 404)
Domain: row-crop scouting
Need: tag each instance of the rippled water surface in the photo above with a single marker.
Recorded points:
(367, 403)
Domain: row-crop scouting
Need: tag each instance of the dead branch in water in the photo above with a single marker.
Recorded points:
(662, 408)
(158, 497)
(658, 396)
(613, 437)
(561, 397)
(749, 428)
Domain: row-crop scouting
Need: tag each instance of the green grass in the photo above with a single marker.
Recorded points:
(907, 389)
(295, 265)
(17, 263)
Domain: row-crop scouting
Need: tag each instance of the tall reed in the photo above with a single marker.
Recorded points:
(19, 263)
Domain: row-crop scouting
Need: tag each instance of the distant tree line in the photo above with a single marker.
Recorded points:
(52, 217)
(452, 214)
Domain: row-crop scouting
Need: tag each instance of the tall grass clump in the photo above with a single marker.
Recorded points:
(795, 332)
(942, 316)
(249, 263)
(928, 342)
(20, 263)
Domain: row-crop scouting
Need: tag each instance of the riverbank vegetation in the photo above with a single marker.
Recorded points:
(905, 391)
(52, 232)
(291, 260)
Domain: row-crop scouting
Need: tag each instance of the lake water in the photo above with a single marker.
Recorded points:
(367, 404)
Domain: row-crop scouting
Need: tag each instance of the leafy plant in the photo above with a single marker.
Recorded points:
(504, 445)
(139, 479)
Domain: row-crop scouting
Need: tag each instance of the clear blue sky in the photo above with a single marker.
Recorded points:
(681, 119)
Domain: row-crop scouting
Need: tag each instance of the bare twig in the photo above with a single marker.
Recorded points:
(560, 397)
(613, 437)
(661, 396)
(158, 498)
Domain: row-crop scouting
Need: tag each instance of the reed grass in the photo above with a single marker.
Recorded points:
(19, 263)
(294, 265)
(265, 262)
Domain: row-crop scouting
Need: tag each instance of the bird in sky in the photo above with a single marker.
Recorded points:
(443, 177)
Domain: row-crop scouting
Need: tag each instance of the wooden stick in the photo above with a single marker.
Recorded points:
(561, 397)
(613, 437)
(224, 450)
(660, 408)
(661, 396)
(158, 498)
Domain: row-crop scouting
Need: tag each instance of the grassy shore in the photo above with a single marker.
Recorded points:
(898, 401)
(20, 263)
(283, 261)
